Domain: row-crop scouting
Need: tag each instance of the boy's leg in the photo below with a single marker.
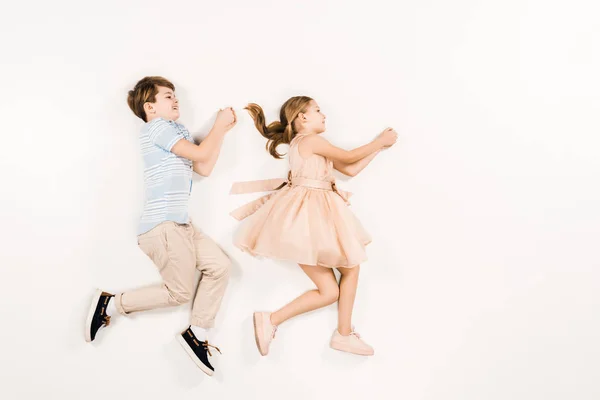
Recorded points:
(214, 266)
(171, 247)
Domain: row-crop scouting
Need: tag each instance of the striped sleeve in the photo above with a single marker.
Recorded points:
(163, 134)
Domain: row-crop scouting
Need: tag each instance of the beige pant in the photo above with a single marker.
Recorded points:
(178, 250)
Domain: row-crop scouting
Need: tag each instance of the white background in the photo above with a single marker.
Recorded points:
(483, 278)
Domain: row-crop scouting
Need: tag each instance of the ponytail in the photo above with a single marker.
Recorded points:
(278, 132)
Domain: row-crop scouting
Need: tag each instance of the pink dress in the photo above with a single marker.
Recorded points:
(306, 220)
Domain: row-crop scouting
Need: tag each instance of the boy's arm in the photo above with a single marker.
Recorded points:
(205, 167)
(204, 155)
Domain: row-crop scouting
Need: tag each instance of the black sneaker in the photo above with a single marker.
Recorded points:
(197, 350)
(97, 317)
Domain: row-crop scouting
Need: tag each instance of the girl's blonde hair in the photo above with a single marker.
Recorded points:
(282, 131)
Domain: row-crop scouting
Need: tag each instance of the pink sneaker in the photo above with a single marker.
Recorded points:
(264, 331)
(350, 344)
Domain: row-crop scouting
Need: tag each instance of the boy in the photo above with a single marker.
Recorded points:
(165, 233)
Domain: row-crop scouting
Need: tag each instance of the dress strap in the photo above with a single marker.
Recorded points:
(273, 185)
(299, 136)
(265, 185)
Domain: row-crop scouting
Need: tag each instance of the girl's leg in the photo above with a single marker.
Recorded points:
(348, 284)
(343, 338)
(327, 293)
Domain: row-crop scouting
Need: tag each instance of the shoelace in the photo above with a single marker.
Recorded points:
(207, 346)
(274, 330)
(353, 332)
(106, 320)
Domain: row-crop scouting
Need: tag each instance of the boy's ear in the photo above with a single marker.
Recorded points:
(148, 108)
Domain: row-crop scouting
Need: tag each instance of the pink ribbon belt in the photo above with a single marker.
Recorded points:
(268, 185)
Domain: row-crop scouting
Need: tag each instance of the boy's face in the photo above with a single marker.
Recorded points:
(166, 105)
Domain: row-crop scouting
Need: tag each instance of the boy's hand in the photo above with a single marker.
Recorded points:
(226, 119)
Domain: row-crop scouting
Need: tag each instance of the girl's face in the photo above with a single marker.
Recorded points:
(312, 120)
(165, 106)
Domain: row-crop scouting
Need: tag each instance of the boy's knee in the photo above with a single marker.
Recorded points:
(179, 297)
(220, 268)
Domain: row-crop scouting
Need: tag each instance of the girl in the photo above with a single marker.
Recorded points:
(307, 219)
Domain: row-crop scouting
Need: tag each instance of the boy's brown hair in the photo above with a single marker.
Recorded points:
(145, 91)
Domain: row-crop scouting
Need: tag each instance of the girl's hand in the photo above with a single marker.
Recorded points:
(388, 137)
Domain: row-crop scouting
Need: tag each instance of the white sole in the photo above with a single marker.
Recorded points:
(90, 317)
(193, 356)
(349, 349)
(258, 324)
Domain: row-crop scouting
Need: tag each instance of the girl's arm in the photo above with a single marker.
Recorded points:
(315, 144)
(354, 168)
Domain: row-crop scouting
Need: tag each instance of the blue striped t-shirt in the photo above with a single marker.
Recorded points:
(167, 177)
